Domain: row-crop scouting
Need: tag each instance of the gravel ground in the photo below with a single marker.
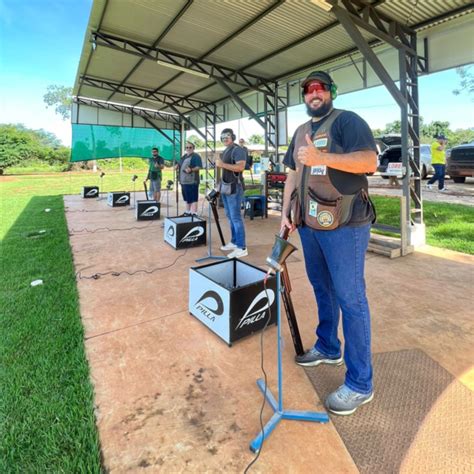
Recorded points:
(456, 193)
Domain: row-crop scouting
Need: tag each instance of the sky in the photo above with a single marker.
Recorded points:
(41, 43)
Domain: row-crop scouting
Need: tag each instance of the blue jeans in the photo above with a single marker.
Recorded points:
(232, 207)
(438, 176)
(335, 266)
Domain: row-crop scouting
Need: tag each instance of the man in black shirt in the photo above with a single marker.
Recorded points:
(232, 164)
(326, 197)
(157, 163)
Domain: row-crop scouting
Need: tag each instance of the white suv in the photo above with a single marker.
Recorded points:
(390, 151)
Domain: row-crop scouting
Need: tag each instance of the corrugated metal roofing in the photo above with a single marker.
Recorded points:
(272, 39)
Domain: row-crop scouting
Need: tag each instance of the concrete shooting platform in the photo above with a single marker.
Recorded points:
(171, 396)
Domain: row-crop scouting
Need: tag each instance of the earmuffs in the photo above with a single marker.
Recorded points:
(231, 134)
(332, 85)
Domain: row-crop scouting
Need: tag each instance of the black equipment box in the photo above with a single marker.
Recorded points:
(119, 198)
(147, 210)
(185, 231)
(230, 298)
(90, 192)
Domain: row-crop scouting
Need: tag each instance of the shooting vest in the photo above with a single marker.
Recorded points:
(316, 202)
(187, 178)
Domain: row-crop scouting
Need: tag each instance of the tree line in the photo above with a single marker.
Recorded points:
(21, 146)
(427, 134)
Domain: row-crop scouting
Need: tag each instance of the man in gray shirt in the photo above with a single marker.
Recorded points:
(188, 168)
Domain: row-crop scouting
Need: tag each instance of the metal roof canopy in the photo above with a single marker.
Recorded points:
(178, 57)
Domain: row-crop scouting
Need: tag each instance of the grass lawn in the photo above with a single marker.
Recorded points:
(449, 226)
(46, 399)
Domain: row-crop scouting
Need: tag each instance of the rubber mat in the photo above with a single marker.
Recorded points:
(420, 420)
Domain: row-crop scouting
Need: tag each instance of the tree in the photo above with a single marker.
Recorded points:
(393, 127)
(196, 141)
(19, 144)
(467, 81)
(430, 130)
(49, 139)
(377, 132)
(59, 97)
(257, 139)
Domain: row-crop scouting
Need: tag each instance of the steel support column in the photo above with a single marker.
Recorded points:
(210, 148)
(404, 39)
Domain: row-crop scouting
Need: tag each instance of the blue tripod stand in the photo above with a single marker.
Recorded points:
(279, 413)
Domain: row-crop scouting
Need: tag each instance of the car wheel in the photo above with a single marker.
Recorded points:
(459, 179)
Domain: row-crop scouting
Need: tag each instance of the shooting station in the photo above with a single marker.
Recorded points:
(171, 395)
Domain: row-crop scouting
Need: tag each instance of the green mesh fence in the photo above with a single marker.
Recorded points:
(96, 142)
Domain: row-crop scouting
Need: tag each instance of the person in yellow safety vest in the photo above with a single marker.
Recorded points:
(438, 160)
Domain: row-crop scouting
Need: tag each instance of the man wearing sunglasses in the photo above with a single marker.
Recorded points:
(326, 198)
(232, 164)
(188, 169)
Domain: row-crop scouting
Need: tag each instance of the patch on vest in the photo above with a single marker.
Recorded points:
(325, 219)
(320, 142)
(313, 208)
(320, 170)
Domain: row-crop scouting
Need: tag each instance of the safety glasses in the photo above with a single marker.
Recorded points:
(189, 148)
(225, 135)
(315, 87)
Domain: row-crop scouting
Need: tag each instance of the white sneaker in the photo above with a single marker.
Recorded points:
(229, 246)
(238, 253)
(442, 190)
(429, 186)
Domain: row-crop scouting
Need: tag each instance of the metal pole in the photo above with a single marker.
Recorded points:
(280, 366)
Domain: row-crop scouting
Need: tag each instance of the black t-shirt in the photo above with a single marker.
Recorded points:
(351, 133)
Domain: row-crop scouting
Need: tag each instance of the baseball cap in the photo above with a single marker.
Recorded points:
(320, 76)
(440, 137)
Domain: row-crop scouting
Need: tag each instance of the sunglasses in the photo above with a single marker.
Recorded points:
(315, 87)
(189, 148)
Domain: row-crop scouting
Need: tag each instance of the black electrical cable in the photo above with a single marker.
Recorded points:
(254, 460)
(105, 229)
(94, 210)
(97, 275)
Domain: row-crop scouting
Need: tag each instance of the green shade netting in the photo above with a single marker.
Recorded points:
(96, 142)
